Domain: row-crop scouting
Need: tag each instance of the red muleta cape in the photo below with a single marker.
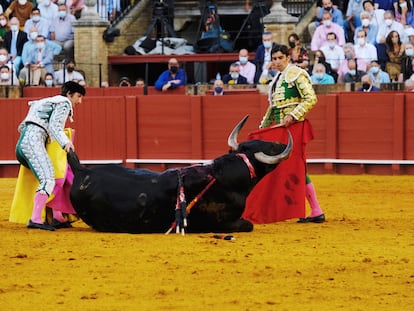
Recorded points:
(280, 195)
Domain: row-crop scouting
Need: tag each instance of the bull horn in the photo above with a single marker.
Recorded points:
(267, 159)
(232, 140)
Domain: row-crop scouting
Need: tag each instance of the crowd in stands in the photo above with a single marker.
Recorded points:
(372, 38)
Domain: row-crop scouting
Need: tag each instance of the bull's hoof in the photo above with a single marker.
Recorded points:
(59, 225)
(34, 225)
(318, 219)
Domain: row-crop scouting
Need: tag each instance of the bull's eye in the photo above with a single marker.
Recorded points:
(85, 183)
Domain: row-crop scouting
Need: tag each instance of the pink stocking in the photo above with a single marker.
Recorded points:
(313, 201)
(39, 204)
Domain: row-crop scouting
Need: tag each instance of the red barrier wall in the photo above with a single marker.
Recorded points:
(360, 127)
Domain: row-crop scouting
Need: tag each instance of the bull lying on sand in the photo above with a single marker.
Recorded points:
(114, 198)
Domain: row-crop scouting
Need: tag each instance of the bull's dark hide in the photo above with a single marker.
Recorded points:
(114, 198)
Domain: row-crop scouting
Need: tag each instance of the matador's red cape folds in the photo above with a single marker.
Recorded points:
(280, 195)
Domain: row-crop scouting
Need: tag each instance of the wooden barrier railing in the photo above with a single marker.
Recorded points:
(355, 132)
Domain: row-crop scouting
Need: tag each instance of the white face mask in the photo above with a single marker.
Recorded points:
(14, 28)
(327, 22)
(388, 21)
(365, 22)
(33, 35)
(361, 41)
(3, 58)
(22, 2)
(5, 76)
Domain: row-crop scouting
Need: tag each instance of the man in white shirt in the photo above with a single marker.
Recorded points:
(334, 54)
(247, 69)
(363, 49)
(69, 74)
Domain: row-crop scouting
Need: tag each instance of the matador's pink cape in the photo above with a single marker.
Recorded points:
(280, 195)
(22, 205)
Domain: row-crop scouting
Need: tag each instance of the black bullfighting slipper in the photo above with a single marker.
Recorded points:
(59, 225)
(34, 225)
(317, 219)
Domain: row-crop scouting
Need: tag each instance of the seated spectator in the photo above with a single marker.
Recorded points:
(334, 54)
(6, 77)
(69, 74)
(298, 54)
(268, 75)
(370, 29)
(4, 27)
(5, 61)
(349, 52)
(354, 74)
(14, 41)
(48, 10)
(407, 62)
(403, 10)
(61, 31)
(352, 17)
(409, 34)
(49, 80)
(172, 78)
(321, 59)
(376, 74)
(383, 31)
(124, 81)
(218, 88)
(409, 85)
(263, 54)
(363, 49)
(326, 5)
(21, 9)
(319, 75)
(367, 85)
(395, 51)
(31, 43)
(140, 82)
(40, 61)
(319, 37)
(377, 14)
(38, 22)
(247, 68)
(234, 76)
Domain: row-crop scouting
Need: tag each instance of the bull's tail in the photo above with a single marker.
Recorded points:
(73, 161)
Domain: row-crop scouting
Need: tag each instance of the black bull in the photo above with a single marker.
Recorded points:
(114, 198)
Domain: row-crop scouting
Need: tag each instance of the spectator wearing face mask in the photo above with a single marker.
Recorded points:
(354, 74)
(14, 41)
(69, 74)
(376, 14)
(6, 77)
(48, 10)
(404, 12)
(234, 76)
(367, 85)
(363, 49)
(321, 59)
(263, 55)
(370, 29)
(319, 37)
(298, 54)
(38, 22)
(349, 52)
(218, 88)
(5, 61)
(319, 75)
(395, 52)
(62, 31)
(334, 54)
(326, 5)
(376, 74)
(407, 62)
(21, 9)
(247, 68)
(49, 80)
(171, 78)
(268, 75)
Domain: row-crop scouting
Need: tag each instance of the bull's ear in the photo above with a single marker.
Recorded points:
(232, 140)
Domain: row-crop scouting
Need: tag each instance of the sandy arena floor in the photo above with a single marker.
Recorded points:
(362, 258)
